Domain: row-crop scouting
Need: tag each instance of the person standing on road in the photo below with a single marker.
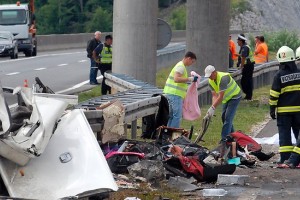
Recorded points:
(247, 66)
(103, 56)
(226, 91)
(284, 101)
(232, 52)
(92, 44)
(261, 53)
(176, 88)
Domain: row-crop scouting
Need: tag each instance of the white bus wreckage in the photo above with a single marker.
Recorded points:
(48, 152)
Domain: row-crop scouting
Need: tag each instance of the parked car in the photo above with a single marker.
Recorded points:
(8, 45)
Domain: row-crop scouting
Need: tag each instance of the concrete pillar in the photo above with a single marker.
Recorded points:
(135, 38)
(207, 33)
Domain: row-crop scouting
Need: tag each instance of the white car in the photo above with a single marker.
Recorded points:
(8, 45)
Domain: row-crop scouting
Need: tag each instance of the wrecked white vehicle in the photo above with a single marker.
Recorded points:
(48, 152)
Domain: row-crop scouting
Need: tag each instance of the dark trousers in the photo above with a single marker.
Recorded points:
(103, 67)
(247, 80)
(285, 123)
(230, 60)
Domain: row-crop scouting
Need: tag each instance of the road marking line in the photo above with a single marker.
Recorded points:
(13, 73)
(38, 69)
(60, 65)
(78, 85)
(81, 61)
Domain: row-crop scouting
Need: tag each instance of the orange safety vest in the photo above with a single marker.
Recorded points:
(232, 50)
(262, 55)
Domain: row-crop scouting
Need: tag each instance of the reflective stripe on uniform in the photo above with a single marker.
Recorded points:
(176, 87)
(286, 109)
(231, 91)
(283, 149)
(232, 87)
(296, 150)
(274, 93)
(291, 88)
(273, 102)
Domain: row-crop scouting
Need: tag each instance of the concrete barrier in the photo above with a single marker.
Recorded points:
(64, 41)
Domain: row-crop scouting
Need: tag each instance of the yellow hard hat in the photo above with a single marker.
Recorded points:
(285, 54)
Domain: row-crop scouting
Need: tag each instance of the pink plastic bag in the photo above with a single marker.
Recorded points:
(191, 110)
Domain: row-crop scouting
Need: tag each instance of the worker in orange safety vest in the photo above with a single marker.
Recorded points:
(261, 53)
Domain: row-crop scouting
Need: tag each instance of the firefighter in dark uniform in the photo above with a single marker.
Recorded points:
(284, 102)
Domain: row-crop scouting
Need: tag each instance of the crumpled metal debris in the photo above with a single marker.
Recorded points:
(152, 170)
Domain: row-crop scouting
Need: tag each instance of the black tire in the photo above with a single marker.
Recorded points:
(28, 53)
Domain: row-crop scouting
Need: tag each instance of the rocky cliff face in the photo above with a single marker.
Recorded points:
(269, 15)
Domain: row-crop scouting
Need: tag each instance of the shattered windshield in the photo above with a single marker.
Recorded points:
(9, 17)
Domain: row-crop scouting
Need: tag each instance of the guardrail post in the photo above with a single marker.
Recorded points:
(133, 129)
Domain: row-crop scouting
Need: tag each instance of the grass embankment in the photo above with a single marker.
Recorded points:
(249, 113)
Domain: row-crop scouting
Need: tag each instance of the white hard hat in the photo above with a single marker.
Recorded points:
(298, 53)
(285, 54)
(209, 70)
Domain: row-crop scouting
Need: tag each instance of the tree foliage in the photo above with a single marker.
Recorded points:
(71, 16)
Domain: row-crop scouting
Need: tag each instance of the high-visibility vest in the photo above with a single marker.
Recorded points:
(174, 88)
(261, 57)
(106, 55)
(250, 56)
(232, 87)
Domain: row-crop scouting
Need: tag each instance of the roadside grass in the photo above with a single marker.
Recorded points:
(84, 96)
(249, 114)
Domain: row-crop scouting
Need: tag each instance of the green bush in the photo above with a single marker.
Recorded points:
(239, 6)
(178, 18)
(275, 40)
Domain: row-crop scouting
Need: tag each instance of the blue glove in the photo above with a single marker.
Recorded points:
(195, 79)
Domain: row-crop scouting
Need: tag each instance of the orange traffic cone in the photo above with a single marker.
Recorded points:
(25, 83)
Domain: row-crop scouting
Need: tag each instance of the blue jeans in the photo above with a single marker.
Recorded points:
(228, 113)
(93, 71)
(175, 110)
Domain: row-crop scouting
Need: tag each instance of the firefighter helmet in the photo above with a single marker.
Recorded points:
(285, 54)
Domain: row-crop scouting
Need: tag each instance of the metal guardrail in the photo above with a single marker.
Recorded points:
(139, 97)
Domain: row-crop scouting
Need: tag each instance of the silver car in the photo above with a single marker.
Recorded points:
(8, 45)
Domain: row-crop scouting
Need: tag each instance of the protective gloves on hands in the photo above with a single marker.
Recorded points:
(273, 112)
(211, 111)
(193, 78)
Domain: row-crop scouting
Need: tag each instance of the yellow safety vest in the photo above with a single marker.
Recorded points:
(174, 88)
(232, 87)
(106, 55)
(250, 56)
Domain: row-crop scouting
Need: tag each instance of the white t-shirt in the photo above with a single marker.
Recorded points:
(180, 69)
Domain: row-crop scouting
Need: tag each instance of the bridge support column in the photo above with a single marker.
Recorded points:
(135, 38)
(207, 33)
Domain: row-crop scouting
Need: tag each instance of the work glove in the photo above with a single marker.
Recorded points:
(193, 78)
(273, 112)
(211, 111)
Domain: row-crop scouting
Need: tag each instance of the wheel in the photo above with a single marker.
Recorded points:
(28, 53)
